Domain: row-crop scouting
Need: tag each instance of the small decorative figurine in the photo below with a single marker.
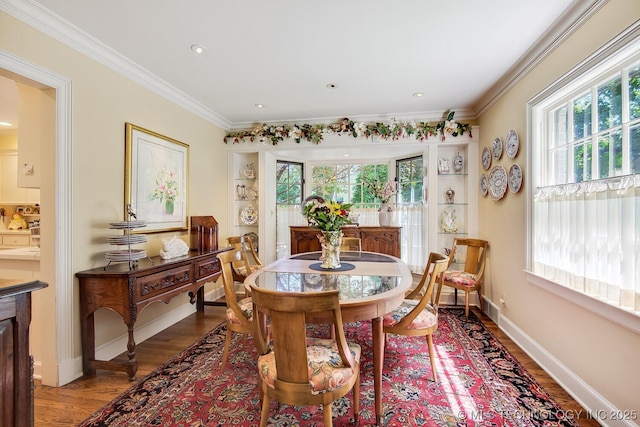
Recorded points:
(458, 163)
(443, 165)
(449, 194)
(249, 172)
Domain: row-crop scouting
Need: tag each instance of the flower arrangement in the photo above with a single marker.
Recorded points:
(327, 216)
(315, 133)
(383, 191)
(166, 186)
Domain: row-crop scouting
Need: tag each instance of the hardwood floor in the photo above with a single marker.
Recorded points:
(72, 403)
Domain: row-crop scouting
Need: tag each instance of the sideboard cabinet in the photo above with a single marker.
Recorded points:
(16, 371)
(384, 240)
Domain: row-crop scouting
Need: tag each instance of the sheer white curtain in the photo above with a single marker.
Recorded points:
(587, 237)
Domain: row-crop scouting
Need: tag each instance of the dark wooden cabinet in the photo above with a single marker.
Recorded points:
(128, 290)
(16, 369)
(384, 240)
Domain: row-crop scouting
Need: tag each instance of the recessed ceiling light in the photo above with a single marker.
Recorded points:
(332, 86)
(259, 105)
(418, 94)
(5, 124)
(198, 48)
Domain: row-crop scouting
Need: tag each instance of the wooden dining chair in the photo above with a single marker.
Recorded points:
(239, 313)
(351, 244)
(298, 370)
(249, 262)
(417, 315)
(471, 277)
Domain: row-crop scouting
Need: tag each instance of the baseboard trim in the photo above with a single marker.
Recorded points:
(596, 406)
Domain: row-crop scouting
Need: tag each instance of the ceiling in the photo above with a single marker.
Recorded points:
(283, 54)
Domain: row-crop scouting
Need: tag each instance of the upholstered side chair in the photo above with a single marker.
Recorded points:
(296, 369)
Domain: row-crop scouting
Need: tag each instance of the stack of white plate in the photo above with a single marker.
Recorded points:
(123, 225)
(127, 239)
(126, 255)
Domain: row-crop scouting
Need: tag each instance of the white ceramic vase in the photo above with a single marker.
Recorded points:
(385, 215)
(330, 242)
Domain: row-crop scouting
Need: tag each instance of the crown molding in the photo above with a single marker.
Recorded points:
(568, 23)
(42, 19)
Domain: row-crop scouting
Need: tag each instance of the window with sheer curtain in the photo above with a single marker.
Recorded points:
(585, 140)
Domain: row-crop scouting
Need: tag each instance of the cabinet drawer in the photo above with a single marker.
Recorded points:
(159, 283)
(15, 240)
(207, 267)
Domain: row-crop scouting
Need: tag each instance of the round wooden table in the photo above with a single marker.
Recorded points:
(374, 285)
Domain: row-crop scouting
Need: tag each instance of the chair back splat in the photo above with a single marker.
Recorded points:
(288, 368)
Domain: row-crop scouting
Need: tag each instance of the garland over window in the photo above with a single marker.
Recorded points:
(315, 133)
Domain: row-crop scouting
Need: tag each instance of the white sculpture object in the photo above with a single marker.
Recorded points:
(173, 248)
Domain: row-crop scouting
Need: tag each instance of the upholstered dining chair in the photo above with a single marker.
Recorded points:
(239, 313)
(417, 315)
(298, 370)
(351, 244)
(471, 277)
(249, 262)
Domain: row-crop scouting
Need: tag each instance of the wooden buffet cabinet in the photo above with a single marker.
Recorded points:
(128, 290)
(16, 370)
(384, 240)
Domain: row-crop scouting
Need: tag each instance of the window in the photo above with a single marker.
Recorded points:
(345, 183)
(289, 182)
(585, 134)
(409, 173)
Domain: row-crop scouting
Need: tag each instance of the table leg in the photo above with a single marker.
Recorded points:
(378, 353)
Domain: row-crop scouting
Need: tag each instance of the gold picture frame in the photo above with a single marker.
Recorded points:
(156, 180)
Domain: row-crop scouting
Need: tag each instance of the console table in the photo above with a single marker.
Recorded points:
(16, 371)
(127, 291)
(384, 240)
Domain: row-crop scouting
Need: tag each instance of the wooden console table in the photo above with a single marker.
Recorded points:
(127, 291)
(16, 371)
(384, 240)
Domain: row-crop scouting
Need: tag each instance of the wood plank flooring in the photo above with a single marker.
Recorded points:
(69, 405)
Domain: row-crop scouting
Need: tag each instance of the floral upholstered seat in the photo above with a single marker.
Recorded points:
(246, 305)
(426, 318)
(326, 370)
(461, 278)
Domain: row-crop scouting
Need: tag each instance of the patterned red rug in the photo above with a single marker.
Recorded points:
(480, 384)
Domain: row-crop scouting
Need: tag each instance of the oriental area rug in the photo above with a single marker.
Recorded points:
(480, 384)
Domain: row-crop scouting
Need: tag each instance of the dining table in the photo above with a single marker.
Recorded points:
(370, 285)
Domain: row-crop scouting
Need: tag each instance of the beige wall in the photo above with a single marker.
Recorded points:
(602, 354)
(102, 102)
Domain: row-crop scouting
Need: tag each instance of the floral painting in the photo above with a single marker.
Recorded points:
(156, 183)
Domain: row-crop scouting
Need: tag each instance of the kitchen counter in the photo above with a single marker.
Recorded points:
(27, 253)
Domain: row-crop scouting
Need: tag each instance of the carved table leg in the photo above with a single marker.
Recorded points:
(132, 365)
(378, 352)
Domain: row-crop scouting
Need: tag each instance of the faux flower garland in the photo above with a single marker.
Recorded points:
(327, 216)
(315, 133)
(383, 191)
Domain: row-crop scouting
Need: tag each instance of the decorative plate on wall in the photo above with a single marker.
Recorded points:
(515, 178)
(496, 148)
(484, 185)
(486, 158)
(249, 215)
(497, 182)
(512, 144)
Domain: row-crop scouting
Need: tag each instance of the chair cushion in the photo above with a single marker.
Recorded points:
(326, 371)
(246, 305)
(461, 278)
(242, 270)
(425, 319)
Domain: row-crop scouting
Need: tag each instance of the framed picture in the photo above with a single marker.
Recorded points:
(156, 180)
